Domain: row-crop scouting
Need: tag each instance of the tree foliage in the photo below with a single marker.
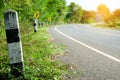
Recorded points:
(27, 8)
(116, 14)
(55, 11)
(75, 13)
(103, 9)
(88, 16)
(113, 19)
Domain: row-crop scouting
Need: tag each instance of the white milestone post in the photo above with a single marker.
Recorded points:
(35, 24)
(14, 42)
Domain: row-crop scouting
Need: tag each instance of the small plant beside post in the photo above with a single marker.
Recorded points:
(14, 43)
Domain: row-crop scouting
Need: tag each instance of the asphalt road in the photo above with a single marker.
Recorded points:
(95, 51)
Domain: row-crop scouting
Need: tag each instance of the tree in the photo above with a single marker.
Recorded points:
(88, 16)
(103, 9)
(75, 13)
(113, 19)
(72, 6)
(116, 14)
(49, 9)
(56, 8)
(53, 9)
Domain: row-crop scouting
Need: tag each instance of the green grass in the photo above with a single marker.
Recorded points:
(37, 48)
(37, 52)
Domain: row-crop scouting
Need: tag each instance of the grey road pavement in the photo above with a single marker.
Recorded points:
(95, 51)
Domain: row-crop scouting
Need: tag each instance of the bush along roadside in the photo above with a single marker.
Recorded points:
(37, 52)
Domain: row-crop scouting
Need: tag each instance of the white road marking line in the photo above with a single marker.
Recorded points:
(93, 49)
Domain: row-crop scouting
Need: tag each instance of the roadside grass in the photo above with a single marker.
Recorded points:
(38, 52)
(4, 67)
(38, 48)
(118, 27)
(106, 26)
